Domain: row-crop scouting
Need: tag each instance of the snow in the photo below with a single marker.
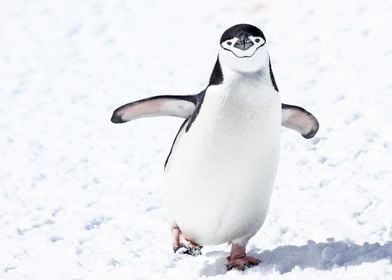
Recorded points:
(82, 198)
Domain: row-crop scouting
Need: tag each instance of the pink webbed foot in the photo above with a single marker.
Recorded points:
(242, 263)
(182, 245)
(239, 260)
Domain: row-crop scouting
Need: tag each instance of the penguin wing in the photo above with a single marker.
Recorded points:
(163, 105)
(299, 119)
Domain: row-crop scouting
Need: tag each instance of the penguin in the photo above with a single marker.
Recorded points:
(221, 168)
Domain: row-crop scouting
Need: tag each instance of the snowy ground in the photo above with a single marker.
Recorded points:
(81, 198)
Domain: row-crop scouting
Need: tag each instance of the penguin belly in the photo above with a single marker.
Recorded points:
(221, 171)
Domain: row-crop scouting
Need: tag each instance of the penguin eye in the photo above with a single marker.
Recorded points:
(257, 40)
(229, 43)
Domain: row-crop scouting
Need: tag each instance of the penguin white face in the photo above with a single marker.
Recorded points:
(243, 48)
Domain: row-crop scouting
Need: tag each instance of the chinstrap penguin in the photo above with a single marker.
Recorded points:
(223, 162)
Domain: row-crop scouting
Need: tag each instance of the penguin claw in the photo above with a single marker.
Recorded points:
(176, 248)
(240, 268)
(242, 263)
(192, 251)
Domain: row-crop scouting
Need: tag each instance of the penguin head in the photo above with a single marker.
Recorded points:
(243, 48)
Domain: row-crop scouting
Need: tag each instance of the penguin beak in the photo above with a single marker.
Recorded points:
(243, 43)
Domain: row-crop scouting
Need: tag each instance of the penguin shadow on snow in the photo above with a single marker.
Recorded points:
(321, 256)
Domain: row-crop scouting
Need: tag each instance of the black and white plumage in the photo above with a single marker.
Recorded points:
(222, 165)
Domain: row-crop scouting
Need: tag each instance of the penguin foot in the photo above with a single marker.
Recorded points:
(241, 262)
(182, 245)
(192, 251)
(238, 258)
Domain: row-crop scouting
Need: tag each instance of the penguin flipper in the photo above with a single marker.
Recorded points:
(163, 105)
(297, 118)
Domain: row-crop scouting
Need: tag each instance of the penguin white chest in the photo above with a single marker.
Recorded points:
(221, 171)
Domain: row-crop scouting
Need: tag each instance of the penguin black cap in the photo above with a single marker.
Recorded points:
(237, 30)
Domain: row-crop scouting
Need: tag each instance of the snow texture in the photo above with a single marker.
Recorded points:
(82, 198)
